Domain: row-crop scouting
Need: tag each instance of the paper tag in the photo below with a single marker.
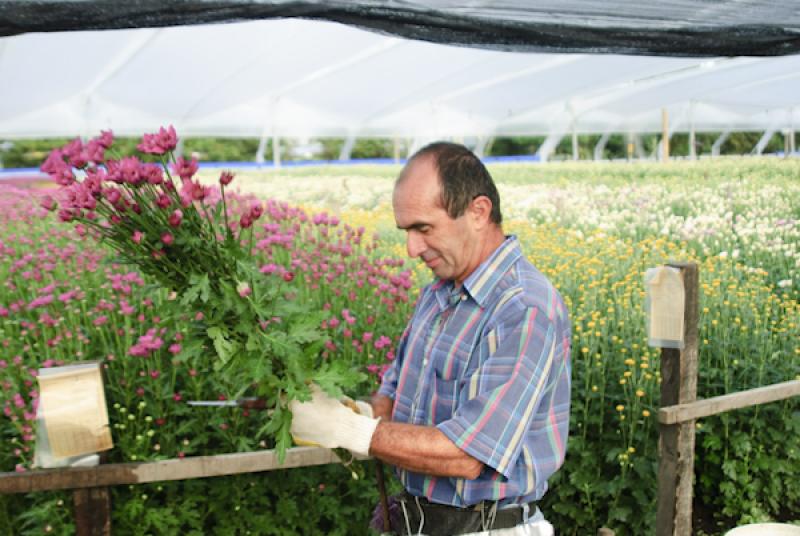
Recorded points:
(73, 405)
(665, 306)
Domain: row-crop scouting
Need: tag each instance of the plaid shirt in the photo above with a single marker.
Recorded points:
(488, 365)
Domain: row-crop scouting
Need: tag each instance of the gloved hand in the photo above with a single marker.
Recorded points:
(359, 406)
(330, 423)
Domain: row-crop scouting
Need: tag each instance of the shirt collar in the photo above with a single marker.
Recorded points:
(482, 281)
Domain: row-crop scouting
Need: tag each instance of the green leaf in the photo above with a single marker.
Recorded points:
(305, 331)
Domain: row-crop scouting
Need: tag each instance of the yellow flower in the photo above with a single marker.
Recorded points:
(620, 407)
(639, 393)
(645, 413)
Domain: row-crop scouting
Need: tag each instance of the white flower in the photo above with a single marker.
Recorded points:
(785, 283)
(723, 254)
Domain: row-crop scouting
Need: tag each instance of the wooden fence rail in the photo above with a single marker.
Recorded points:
(115, 474)
(720, 404)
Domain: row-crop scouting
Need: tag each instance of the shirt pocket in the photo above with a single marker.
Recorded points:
(444, 399)
(453, 358)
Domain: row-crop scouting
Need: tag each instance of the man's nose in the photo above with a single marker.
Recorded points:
(415, 244)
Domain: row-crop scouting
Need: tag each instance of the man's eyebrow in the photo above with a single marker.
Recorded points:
(416, 226)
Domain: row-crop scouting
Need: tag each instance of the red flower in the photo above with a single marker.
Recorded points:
(225, 178)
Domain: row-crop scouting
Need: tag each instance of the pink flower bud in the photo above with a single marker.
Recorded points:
(175, 218)
(167, 239)
(225, 178)
(137, 237)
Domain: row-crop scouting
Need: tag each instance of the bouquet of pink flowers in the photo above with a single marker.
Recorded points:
(189, 239)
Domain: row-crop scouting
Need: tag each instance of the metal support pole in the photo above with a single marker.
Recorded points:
(276, 151)
(676, 441)
(262, 148)
(549, 144)
(762, 143)
(347, 148)
(575, 155)
(601, 145)
(718, 143)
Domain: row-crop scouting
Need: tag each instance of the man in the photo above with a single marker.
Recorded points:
(474, 411)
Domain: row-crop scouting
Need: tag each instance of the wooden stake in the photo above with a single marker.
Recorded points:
(676, 441)
(92, 508)
(664, 135)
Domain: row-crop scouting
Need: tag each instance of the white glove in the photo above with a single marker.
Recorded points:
(331, 424)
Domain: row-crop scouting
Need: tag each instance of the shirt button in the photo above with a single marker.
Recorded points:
(425, 362)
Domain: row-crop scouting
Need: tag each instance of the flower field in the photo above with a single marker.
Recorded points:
(593, 229)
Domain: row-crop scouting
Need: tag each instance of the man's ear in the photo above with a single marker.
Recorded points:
(481, 210)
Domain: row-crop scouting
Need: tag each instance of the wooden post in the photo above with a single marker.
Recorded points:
(92, 509)
(664, 135)
(676, 441)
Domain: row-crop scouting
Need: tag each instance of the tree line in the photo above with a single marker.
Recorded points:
(31, 153)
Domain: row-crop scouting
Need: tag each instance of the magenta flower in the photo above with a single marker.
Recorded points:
(125, 171)
(163, 200)
(382, 342)
(225, 178)
(100, 320)
(95, 151)
(185, 169)
(58, 169)
(137, 237)
(105, 139)
(161, 142)
(175, 218)
(193, 191)
(256, 211)
(175, 349)
(146, 344)
(167, 239)
(48, 203)
(152, 174)
(41, 301)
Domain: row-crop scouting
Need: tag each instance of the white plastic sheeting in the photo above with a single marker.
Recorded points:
(303, 78)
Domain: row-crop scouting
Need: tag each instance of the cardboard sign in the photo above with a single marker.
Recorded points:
(72, 404)
(665, 304)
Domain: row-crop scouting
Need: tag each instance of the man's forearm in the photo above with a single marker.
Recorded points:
(422, 449)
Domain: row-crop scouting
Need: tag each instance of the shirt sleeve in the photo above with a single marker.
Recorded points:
(505, 391)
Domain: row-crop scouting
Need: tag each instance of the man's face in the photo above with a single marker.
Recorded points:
(446, 245)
